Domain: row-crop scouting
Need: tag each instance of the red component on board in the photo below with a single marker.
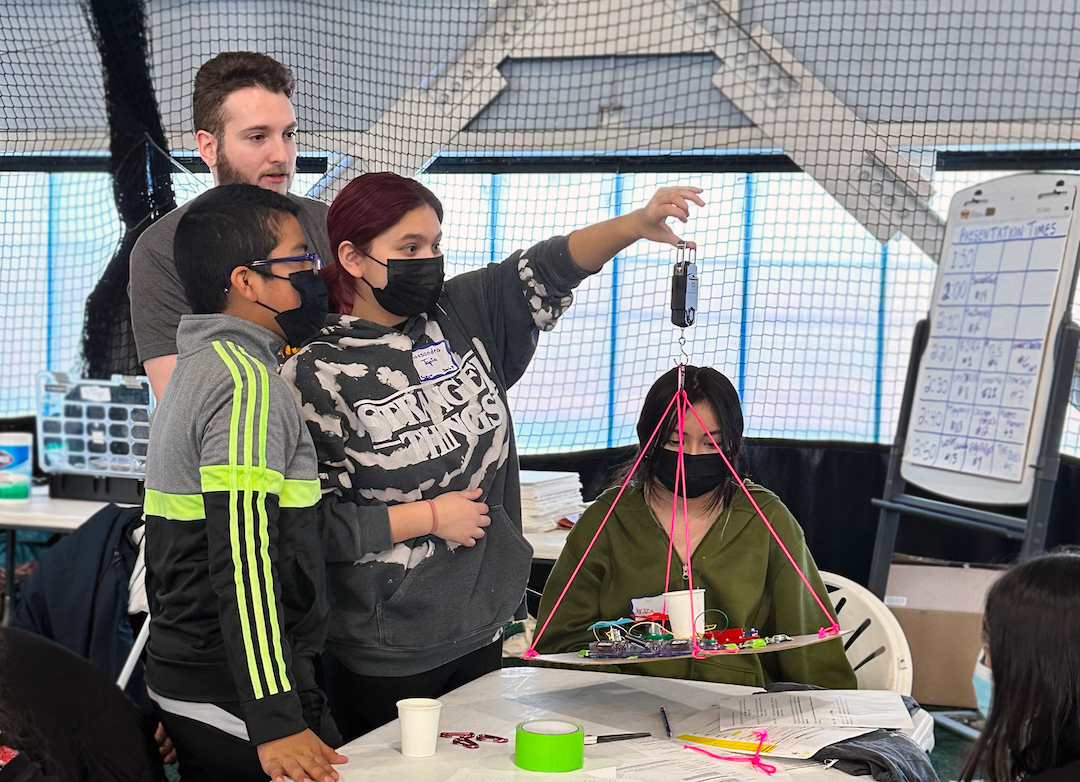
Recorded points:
(735, 635)
(654, 617)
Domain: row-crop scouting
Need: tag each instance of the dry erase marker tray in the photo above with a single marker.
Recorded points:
(93, 427)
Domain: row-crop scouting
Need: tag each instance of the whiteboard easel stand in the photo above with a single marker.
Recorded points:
(1031, 529)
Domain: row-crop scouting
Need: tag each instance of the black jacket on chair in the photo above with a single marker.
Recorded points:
(78, 595)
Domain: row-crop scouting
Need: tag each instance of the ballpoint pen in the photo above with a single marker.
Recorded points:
(667, 725)
(615, 737)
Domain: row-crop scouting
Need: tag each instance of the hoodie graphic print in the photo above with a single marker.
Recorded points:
(410, 413)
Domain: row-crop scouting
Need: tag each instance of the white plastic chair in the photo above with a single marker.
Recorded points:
(877, 647)
(134, 654)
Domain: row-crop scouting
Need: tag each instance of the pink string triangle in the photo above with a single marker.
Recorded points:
(682, 402)
(833, 627)
(754, 760)
(531, 652)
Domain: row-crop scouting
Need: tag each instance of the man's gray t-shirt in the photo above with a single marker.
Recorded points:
(157, 295)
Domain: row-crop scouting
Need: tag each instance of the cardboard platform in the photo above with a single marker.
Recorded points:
(796, 642)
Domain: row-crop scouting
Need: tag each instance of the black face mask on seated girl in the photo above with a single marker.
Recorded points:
(704, 471)
(413, 285)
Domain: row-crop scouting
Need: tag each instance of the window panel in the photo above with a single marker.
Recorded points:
(806, 313)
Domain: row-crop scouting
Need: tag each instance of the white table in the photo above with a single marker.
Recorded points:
(45, 514)
(602, 702)
(42, 514)
(547, 546)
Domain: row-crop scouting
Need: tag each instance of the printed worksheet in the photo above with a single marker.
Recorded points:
(799, 724)
(826, 708)
(787, 741)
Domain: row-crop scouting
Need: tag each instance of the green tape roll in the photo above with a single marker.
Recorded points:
(549, 745)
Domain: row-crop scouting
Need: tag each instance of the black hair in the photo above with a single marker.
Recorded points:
(1032, 624)
(16, 731)
(225, 227)
(703, 385)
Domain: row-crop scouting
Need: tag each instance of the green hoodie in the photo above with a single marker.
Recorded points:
(737, 562)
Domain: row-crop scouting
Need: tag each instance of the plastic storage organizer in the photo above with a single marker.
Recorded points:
(93, 427)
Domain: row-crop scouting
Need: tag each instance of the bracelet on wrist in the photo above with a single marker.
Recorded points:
(434, 517)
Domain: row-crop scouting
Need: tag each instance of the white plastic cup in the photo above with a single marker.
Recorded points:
(418, 719)
(16, 467)
(677, 607)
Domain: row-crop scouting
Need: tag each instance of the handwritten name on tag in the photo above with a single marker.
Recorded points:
(434, 361)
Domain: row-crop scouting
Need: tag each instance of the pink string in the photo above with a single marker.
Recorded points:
(679, 467)
(674, 509)
(680, 483)
(696, 650)
(833, 627)
(754, 761)
(531, 652)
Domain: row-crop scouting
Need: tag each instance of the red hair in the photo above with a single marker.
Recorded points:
(368, 206)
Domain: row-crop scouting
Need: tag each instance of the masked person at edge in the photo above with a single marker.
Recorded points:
(735, 558)
(405, 397)
(1027, 679)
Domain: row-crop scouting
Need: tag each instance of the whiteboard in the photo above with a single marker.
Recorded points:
(1003, 286)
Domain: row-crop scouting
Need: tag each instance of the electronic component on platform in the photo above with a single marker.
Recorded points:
(684, 287)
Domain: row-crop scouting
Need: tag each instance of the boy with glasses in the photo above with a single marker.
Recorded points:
(235, 569)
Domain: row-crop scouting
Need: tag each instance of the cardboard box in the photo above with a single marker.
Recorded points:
(940, 607)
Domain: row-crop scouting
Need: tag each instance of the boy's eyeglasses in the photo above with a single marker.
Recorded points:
(312, 258)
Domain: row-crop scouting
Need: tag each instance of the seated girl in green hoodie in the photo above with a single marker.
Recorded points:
(735, 558)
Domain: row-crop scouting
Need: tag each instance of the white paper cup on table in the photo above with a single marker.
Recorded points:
(677, 607)
(419, 722)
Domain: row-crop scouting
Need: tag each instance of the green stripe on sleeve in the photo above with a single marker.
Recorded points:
(264, 530)
(217, 477)
(252, 436)
(234, 521)
(174, 507)
(299, 494)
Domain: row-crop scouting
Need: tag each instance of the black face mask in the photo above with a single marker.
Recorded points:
(704, 471)
(413, 285)
(301, 324)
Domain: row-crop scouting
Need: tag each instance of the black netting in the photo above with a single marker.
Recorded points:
(829, 136)
(141, 174)
(58, 224)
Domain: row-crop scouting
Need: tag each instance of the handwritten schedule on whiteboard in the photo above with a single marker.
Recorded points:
(989, 331)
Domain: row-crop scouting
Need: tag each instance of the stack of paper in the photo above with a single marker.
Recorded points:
(799, 723)
(547, 497)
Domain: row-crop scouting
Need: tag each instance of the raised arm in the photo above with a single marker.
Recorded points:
(529, 291)
(593, 246)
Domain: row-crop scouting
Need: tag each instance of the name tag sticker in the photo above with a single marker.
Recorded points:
(434, 361)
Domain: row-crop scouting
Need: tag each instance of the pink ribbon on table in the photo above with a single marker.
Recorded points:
(754, 760)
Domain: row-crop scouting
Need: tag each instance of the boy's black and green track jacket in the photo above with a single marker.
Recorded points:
(235, 570)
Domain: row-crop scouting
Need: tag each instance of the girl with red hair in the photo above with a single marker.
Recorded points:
(405, 398)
